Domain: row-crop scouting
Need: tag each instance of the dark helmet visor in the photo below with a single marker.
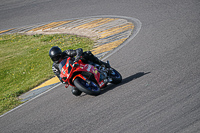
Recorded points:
(56, 58)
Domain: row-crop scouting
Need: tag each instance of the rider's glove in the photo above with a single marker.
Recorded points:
(75, 64)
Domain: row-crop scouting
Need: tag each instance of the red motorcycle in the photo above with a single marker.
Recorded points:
(88, 78)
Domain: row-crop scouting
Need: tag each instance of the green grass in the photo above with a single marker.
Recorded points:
(25, 62)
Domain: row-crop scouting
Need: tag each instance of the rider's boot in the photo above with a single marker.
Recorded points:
(76, 91)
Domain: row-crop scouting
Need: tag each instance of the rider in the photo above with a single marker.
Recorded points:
(57, 56)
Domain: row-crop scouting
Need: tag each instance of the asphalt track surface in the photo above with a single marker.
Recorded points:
(160, 91)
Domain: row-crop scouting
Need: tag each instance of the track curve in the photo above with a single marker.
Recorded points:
(160, 68)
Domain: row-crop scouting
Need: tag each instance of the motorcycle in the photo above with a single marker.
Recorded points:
(89, 78)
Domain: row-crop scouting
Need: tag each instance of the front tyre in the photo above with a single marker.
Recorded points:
(90, 88)
(116, 76)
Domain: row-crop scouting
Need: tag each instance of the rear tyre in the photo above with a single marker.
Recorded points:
(116, 77)
(89, 88)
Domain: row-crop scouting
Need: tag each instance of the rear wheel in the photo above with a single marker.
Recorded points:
(90, 87)
(116, 76)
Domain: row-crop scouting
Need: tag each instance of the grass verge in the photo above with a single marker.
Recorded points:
(25, 62)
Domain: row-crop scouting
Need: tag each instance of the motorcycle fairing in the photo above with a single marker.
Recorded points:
(66, 66)
(88, 68)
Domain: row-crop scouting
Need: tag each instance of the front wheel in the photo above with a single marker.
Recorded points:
(90, 87)
(116, 76)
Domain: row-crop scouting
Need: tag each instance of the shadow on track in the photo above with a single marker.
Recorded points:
(124, 81)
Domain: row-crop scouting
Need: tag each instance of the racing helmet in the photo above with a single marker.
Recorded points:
(55, 54)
